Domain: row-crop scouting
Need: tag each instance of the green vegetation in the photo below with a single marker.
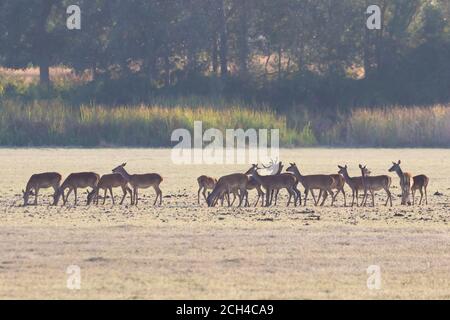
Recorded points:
(395, 127)
(55, 124)
(51, 123)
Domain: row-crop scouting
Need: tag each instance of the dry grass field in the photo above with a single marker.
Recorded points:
(182, 250)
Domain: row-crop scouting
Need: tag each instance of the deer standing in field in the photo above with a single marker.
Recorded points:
(41, 181)
(355, 183)
(141, 181)
(277, 182)
(339, 183)
(253, 184)
(420, 183)
(226, 185)
(108, 182)
(205, 183)
(373, 184)
(322, 182)
(405, 181)
(75, 181)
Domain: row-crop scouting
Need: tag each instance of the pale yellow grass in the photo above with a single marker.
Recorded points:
(183, 251)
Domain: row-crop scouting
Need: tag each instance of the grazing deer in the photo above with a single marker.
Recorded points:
(276, 182)
(322, 182)
(355, 183)
(41, 181)
(75, 181)
(108, 182)
(141, 181)
(226, 185)
(405, 181)
(375, 184)
(205, 183)
(420, 183)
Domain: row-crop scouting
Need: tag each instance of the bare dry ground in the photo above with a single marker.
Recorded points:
(182, 250)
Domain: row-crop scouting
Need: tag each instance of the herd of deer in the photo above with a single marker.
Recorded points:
(119, 178)
(238, 185)
(268, 186)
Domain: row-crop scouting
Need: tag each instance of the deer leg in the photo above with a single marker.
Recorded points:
(76, 195)
(158, 195)
(290, 197)
(198, 195)
(67, 196)
(389, 197)
(124, 190)
(204, 194)
(259, 196)
(299, 195)
(373, 197)
(306, 195)
(314, 196)
(136, 196)
(345, 199)
(112, 196)
(333, 196)
(36, 191)
(325, 196)
(426, 197)
(421, 196)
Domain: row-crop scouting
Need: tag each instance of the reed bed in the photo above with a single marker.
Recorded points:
(55, 124)
(395, 127)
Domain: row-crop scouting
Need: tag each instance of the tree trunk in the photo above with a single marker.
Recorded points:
(44, 74)
(243, 38)
(223, 40)
(215, 55)
(41, 44)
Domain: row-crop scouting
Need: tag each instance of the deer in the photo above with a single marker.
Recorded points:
(75, 181)
(108, 182)
(41, 181)
(141, 181)
(322, 182)
(405, 181)
(339, 183)
(355, 183)
(205, 183)
(420, 183)
(226, 185)
(373, 184)
(277, 182)
(253, 184)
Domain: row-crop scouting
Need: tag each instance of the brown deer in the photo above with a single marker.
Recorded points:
(108, 182)
(205, 183)
(405, 181)
(75, 181)
(141, 181)
(41, 181)
(375, 184)
(420, 183)
(355, 183)
(226, 185)
(322, 182)
(339, 183)
(253, 184)
(277, 182)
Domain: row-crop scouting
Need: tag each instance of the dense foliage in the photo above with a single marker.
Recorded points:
(288, 53)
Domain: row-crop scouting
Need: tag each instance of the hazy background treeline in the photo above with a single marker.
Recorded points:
(309, 67)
